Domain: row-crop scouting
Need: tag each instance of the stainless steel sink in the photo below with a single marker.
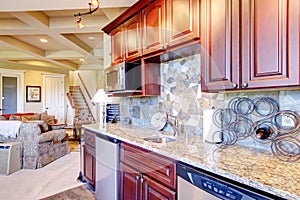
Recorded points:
(160, 139)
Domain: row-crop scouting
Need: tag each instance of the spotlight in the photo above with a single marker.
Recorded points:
(79, 23)
(93, 3)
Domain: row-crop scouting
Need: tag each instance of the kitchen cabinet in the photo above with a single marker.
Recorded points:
(270, 43)
(132, 28)
(146, 175)
(249, 44)
(117, 45)
(219, 45)
(183, 17)
(154, 27)
(89, 157)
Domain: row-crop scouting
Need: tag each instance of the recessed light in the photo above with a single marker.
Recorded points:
(43, 40)
(81, 59)
(91, 38)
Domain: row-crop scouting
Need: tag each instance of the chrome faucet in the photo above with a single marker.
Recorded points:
(173, 122)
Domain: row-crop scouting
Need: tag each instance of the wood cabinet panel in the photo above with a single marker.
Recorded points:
(89, 138)
(219, 45)
(183, 21)
(156, 166)
(133, 30)
(270, 44)
(129, 183)
(89, 165)
(117, 45)
(154, 28)
(152, 190)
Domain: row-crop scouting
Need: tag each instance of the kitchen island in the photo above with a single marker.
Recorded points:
(256, 168)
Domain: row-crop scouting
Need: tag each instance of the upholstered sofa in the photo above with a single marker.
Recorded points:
(41, 143)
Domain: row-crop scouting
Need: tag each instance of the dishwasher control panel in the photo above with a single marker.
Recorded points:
(219, 190)
(214, 186)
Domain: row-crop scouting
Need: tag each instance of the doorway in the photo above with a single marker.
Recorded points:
(11, 91)
(54, 96)
(9, 95)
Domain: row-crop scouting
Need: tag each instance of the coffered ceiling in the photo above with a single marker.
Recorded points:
(68, 47)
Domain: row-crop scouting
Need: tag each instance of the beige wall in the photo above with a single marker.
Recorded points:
(35, 78)
(32, 78)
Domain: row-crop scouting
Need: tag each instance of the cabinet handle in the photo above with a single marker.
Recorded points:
(136, 187)
(244, 85)
(234, 85)
(137, 177)
(166, 45)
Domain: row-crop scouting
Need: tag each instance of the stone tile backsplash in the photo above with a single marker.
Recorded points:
(181, 96)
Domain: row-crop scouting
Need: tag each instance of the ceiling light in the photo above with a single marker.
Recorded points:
(79, 23)
(81, 59)
(91, 38)
(43, 40)
(95, 2)
(92, 10)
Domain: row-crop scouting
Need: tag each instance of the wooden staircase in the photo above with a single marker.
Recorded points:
(78, 100)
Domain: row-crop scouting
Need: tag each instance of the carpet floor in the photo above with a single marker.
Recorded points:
(56, 177)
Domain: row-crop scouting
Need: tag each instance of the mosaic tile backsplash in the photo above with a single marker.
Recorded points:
(181, 96)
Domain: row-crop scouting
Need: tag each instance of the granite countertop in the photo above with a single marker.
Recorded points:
(248, 166)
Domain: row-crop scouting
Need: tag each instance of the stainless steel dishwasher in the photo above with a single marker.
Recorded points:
(107, 167)
(196, 184)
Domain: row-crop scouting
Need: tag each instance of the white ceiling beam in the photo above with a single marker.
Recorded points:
(21, 46)
(63, 54)
(34, 5)
(28, 49)
(15, 55)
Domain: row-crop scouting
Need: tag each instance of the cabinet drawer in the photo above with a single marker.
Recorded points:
(156, 166)
(89, 138)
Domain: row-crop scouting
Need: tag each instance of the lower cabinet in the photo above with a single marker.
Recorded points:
(145, 175)
(89, 158)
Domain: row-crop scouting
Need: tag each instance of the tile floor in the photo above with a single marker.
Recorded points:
(78, 193)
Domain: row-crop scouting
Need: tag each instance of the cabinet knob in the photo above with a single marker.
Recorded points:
(234, 85)
(244, 84)
(137, 177)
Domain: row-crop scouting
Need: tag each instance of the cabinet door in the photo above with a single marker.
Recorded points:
(130, 186)
(117, 45)
(219, 45)
(152, 190)
(133, 37)
(89, 165)
(270, 30)
(153, 20)
(183, 21)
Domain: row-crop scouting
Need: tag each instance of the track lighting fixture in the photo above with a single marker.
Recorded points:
(92, 10)
(79, 22)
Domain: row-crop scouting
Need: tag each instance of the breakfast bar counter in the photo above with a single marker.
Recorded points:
(252, 167)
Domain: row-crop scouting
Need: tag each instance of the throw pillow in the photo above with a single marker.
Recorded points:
(56, 126)
(50, 119)
(43, 126)
(43, 115)
(26, 118)
(2, 117)
(13, 117)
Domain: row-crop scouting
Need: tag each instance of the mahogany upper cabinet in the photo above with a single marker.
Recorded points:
(183, 21)
(154, 27)
(117, 45)
(219, 44)
(251, 45)
(132, 32)
(270, 43)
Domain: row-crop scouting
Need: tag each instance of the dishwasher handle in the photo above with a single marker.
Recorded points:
(108, 138)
